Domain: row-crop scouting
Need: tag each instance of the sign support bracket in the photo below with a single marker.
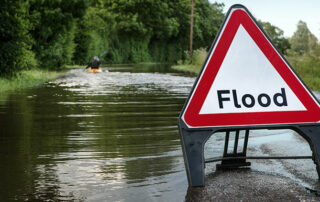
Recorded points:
(230, 160)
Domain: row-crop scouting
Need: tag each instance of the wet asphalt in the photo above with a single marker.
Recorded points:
(248, 185)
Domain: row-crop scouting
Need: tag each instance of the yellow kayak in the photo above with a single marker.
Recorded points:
(98, 70)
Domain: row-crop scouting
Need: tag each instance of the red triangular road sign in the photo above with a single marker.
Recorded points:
(246, 81)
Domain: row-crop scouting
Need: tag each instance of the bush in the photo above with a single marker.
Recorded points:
(198, 57)
(307, 67)
(128, 50)
(93, 35)
(165, 51)
(15, 41)
(54, 30)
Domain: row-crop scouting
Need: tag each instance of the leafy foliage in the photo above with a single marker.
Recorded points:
(148, 30)
(304, 55)
(207, 20)
(303, 41)
(276, 36)
(54, 30)
(93, 34)
(15, 41)
(53, 33)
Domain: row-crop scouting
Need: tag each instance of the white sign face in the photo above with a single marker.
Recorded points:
(241, 84)
(245, 81)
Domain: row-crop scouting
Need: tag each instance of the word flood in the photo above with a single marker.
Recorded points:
(248, 100)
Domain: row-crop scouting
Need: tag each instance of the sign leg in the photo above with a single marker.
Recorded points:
(193, 151)
(312, 135)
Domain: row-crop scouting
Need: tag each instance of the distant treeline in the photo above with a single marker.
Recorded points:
(52, 33)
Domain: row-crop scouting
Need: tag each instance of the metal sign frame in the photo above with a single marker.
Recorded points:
(194, 139)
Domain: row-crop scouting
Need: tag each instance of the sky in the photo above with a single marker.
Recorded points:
(284, 14)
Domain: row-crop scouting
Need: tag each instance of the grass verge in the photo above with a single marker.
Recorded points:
(191, 69)
(75, 67)
(27, 78)
(312, 82)
(193, 66)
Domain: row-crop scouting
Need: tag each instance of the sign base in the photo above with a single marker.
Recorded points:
(193, 141)
(232, 160)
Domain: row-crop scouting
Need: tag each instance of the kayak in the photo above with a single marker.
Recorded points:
(98, 70)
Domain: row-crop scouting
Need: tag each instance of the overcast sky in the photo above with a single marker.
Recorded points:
(284, 14)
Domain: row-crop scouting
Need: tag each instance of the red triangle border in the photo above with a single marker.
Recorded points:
(191, 115)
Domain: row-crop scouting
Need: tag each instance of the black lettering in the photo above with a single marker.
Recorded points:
(221, 99)
(267, 104)
(281, 95)
(235, 99)
(244, 98)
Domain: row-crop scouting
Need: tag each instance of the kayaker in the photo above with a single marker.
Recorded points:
(95, 64)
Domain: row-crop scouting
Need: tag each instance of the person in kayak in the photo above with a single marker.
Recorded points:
(95, 64)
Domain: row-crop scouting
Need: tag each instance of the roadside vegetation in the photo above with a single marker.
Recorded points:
(192, 66)
(54, 35)
(302, 51)
(25, 79)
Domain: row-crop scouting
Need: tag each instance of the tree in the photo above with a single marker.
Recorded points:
(15, 40)
(94, 33)
(134, 31)
(138, 24)
(54, 30)
(208, 18)
(170, 46)
(276, 36)
(305, 54)
(303, 41)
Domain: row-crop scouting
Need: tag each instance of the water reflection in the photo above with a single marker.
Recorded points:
(109, 136)
(100, 137)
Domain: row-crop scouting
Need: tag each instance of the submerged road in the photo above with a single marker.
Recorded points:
(114, 137)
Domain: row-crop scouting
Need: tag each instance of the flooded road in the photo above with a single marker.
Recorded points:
(113, 136)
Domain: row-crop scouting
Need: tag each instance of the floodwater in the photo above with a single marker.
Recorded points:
(113, 136)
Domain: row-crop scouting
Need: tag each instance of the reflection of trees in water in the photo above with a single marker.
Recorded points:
(147, 68)
(136, 126)
(30, 130)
